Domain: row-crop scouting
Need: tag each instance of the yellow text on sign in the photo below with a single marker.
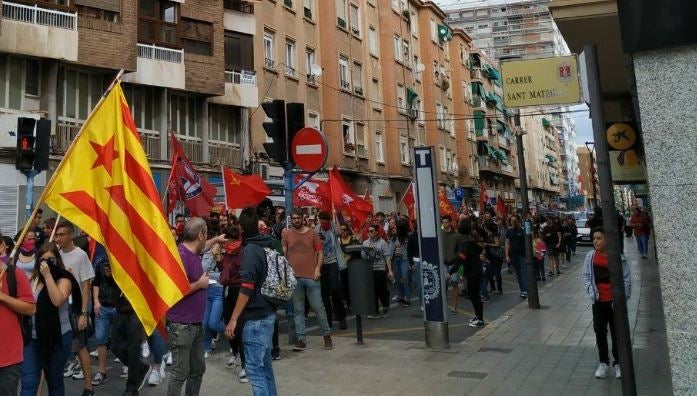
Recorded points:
(541, 82)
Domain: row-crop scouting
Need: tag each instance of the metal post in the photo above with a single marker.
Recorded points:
(288, 195)
(29, 194)
(359, 330)
(533, 295)
(612, 236)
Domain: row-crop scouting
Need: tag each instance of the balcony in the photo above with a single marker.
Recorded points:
(158, 66)
(36, 31)
(193, 148)
(482, 135)
(508, 169)
(290, 72)
(227, 154)
(66, 131)
(240, 89)
(487, 164)
(504, 142)
(239, 17)
(269, 63)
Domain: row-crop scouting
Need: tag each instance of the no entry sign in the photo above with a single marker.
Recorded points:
(309, 149)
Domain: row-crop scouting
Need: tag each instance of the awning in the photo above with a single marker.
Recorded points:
(477, 89)
(479, 122)
(490, 97)
(411, 95)
(546, 123)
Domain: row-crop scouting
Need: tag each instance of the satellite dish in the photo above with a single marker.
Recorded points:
(316, 70)
(420, 67)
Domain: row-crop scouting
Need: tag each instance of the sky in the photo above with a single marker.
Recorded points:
(584, 129)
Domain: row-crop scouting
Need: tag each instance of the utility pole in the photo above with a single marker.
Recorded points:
(612, 236)
(533, 295)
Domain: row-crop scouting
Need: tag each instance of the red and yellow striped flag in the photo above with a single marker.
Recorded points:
(105, 187)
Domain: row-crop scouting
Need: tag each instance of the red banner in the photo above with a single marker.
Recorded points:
(409, 201)
(444, 205)
(346, 202)
(242, 191)
(500, 206)
(186, 185)
(314, 193)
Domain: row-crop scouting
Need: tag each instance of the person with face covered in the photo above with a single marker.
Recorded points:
(27, 254)
(330, 279)
(52, 337)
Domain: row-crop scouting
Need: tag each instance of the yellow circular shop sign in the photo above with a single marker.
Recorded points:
(621, 136)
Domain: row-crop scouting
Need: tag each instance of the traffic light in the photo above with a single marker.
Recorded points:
(295, 116)
(277, 149)
(32, 144)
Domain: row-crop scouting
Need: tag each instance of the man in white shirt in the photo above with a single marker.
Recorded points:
(78, 263)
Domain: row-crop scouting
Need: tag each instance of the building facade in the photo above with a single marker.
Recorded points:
(587, 177)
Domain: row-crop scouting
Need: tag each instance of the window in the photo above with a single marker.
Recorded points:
(109, 14)
(157, 22)
(404, 150)
(344, 73)
(422, 113)
(434, 30)
(269, 57)
(145, 105)
(239, 51)
(80, 93)
(373, 41)
(414, 24)
(443, 160)
(449, 161)
(10, 82)
(183, 115)
(224, 124)
(397, 48)
(308, 8)
(375, 93)
(401, 99)
(358, 78)
(309, 61)
(347, 134)
(473, 167)
(341, 13)
(197, 36)
(313, 119)
(360, 140)
(406, 55)
(415, 67)
(379, 156)
(290, 58)
(31, 77)
(355, 19)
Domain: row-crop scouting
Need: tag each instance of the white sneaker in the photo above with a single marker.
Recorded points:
(94, 353)
(243, 376)
(618, 372)
(154, 379)
(162, 370)
(145, 350)
(231, 361)
(206, 354)
(124, 372)
(601, 371)
(79, 374)
(168, 358)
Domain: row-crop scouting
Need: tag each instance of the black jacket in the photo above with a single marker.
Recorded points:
(468, 251)
(253, 274)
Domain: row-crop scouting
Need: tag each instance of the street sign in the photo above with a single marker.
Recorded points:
(433, 271)
(541, 81)
(309, 149)
(459, 193)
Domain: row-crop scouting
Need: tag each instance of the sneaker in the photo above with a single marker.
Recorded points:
(385, 313)
(243, 377)
(452, 312)
(406, 303)
(276, 354)
(154, 378)
(78, 374)
(168, 359)
(87, 392)
(618, 372)
(99, 379)
(144, 350)
(396, 298)
(558, 273)
(476, 323)
(70, 368)
(374, 316)
(328, 344)
(601, 371)
(342, 324)
(94, 353)
(117, 360)
(214, 341)
(299, 346)
(124, 372)
(550, 274)
(144, 377)
(206, 354)
(231, 361)
(485, 299)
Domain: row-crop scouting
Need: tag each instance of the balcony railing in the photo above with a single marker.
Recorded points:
(290, 72)
(151, 144)
(66, 130)
(39, 16)
(269, 63)
(507, 168)
(503, 141)
(362, 151)
(238, 5)
(192, 148)
(242, 77)
(227, 154)
(155, 52)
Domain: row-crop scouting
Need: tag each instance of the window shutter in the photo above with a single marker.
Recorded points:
(8, 209)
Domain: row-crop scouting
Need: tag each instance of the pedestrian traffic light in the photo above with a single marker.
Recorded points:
(277, 148)
(295, 120)
(32, 144)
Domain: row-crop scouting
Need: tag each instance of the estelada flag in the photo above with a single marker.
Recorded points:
(243, 190)
(409, 201)
(500, 206)
(445, 207)
(314, 193)
(104, 186)
(346, 202)
(186, 185)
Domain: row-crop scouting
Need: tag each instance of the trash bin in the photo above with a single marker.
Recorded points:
(361, 282)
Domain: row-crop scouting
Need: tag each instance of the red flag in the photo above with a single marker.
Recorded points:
(186, 185)
(500, 206)
(409, 201)
(243, 190)
(444, 205)
(482, 199)
(346, 201)
(314, 193)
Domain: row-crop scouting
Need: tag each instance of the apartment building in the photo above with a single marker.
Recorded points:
(56, 59)
(542, 158)
(587, 177)
(496, 150)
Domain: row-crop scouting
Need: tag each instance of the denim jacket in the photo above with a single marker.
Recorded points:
(589, 277)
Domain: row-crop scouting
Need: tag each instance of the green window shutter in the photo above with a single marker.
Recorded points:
(479, 122)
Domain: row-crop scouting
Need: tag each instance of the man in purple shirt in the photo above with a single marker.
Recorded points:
(185, 317)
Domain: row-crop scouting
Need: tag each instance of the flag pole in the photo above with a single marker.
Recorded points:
(222, 172)
(42, 197)
(171, 173)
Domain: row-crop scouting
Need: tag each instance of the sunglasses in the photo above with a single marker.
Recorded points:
(48, 260)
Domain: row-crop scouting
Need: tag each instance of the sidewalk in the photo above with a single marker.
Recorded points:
(543, 352)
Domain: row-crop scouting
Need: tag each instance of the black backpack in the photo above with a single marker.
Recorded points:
(24, 321)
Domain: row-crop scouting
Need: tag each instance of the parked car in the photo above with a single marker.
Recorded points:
(584, 233)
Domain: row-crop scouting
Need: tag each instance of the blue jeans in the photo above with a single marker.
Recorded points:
(256, 337)
(102, 324)
(52, 366)
(312, 289)
(521, 272)
(642, 243)
(401, 273)
(157, 346)
(213, 316)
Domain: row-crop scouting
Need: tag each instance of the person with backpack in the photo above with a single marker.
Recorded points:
(52, 332)
(254, 313)
(16, 301)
